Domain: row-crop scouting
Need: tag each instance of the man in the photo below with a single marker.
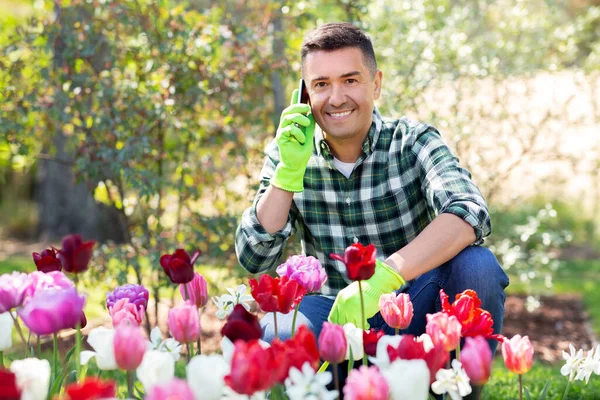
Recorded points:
(338, 173)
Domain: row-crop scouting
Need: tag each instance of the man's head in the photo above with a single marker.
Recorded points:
(342, 80)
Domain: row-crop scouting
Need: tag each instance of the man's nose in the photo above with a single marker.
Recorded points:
(338, 96)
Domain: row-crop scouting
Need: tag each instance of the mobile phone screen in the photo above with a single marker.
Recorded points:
(302, 92)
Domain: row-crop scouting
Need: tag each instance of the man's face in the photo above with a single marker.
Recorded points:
(342, 92)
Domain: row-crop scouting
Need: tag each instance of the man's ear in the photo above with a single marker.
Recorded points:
(377, 80)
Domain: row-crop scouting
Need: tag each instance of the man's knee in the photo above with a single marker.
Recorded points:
(477, 267)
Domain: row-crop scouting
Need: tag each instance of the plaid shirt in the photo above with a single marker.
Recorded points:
(405, 177)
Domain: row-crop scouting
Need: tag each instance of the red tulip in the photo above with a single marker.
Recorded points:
(8, 385)
(474, 320)
(360, 261)
(91, 389)
(179, 266)
(47, 261)
(75, 254)
(411, 349)
(295, 352)
(518, 354)
(253, 368)
(332, 343)
(476, 358)
(276, 294)
(370, 339)
(241, 325)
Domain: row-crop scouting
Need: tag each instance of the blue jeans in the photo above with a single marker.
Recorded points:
(473, 268)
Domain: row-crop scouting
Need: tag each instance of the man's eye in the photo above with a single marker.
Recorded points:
(320, 84)
(351, 80)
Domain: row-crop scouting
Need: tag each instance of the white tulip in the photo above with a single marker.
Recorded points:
(101, 339)
(407, 379)
(170, 345)
(32, 378)
(157, 368)
(382, 358)
(354, 337)
(6, 327)
(205, 375)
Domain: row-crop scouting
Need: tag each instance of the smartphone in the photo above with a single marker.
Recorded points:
(303, 93)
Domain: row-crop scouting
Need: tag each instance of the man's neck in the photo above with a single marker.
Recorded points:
(348, 150)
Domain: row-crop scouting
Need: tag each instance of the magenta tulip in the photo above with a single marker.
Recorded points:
(444, 330)
(366, 383)
(476, 358)
(47, 261)
(306, 270)
(38, 282)
(129, 347)
(75, 254)
(332, 343)
(53, 310)
(197, 290)
(184, 323)
(12, 290)
(396, 310)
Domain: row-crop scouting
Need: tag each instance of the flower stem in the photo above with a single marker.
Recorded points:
(78, 352)
(564, 396)
(1, 359)
(397, 331)
(187, 294)
(275, 323)
(199, 345)
(54, 356)
(458, 351)
(190, 347)
(323, 366)
(520, 386)
(130, 384)
(19, 331)
(336, 378)
(29, 348)
(364, 321)
(38, 345)
(294, 320)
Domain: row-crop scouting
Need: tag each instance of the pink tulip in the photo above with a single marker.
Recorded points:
(332, 343)
(197, 290)
(306, 270)
(476, 358)
(444, 330)
(124, 312)
(396, 310)
(518, 354)
(184, 323)
(366, 383)
(177, 389)
(12, 290)
(129, 346)
(38, 281)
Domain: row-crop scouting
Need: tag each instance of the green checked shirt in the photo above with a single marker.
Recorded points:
(405, 177)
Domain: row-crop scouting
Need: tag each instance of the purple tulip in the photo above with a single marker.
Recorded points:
(38, 281)
(53, 310)
(12, 290)
(136, 294)
(306, 270)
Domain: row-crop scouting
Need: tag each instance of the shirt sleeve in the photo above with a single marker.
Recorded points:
(447, 186)
(258, 250)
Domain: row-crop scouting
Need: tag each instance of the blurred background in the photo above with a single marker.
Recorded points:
(141, 124)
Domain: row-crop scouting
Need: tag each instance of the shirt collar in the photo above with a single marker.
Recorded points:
(368, 145)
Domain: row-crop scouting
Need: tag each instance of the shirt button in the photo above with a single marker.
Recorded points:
(348, 200)
(355, 239)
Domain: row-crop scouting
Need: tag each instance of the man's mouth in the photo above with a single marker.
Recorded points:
(340, 115)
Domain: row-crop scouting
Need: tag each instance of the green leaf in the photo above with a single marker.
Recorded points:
(545, 390)
(527, 395)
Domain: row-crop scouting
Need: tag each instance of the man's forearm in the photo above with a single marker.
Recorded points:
(273, 208)
(445, 237)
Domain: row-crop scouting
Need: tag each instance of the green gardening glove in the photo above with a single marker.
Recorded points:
(295, 140)
(346, 307)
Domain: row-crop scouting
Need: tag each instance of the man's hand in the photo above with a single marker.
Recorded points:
(295, 140)
(346, 307)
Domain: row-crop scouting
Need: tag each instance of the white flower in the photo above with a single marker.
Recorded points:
(101, 339)
(226, 302)
(170, 345)
(32, 378)
(590, 364)
(205, 375)
(453, 381)
(306, 384)
(354, 337)
(382, 358)
(230, 394)
(407, 379)
(6, 322)
(574, 360)
(156, 368)
(427, 342)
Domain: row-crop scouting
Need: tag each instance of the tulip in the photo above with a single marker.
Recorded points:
(295, 352)
(136, 294)
(169, 345)
(175, 389)
(444, 329)
(157, 368)
(518, 354)
(33, 377)
(396, 310)
(12, 290)
(197, 290)
(306, 270)
(276, 294)
(47, 261)
(101, 339)
(8, 385)
(124, 312)
(360, 261)
(252, 368)
(409, 348)
(241, 325)
(205, 376)
(75, 254)
(39, 281)
(6, 322)
(91, 388)
(129, 347)
(184, 323)
(354, 338)
(476, 359)
(370, 339)
(52, 311)
(466, 308)
(382, 358)
(179, 266)
(407, 379)
(366, 383)
(332, 343)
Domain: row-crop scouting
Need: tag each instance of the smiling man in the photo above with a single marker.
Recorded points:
(338, 173)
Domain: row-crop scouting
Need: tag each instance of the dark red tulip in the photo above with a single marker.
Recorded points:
(179, 266)
(8, 385)
(91, 389)
(370, 339)
(241, 325)
(47, 261)
(277, 294)
(75, 254)
(360, 261)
